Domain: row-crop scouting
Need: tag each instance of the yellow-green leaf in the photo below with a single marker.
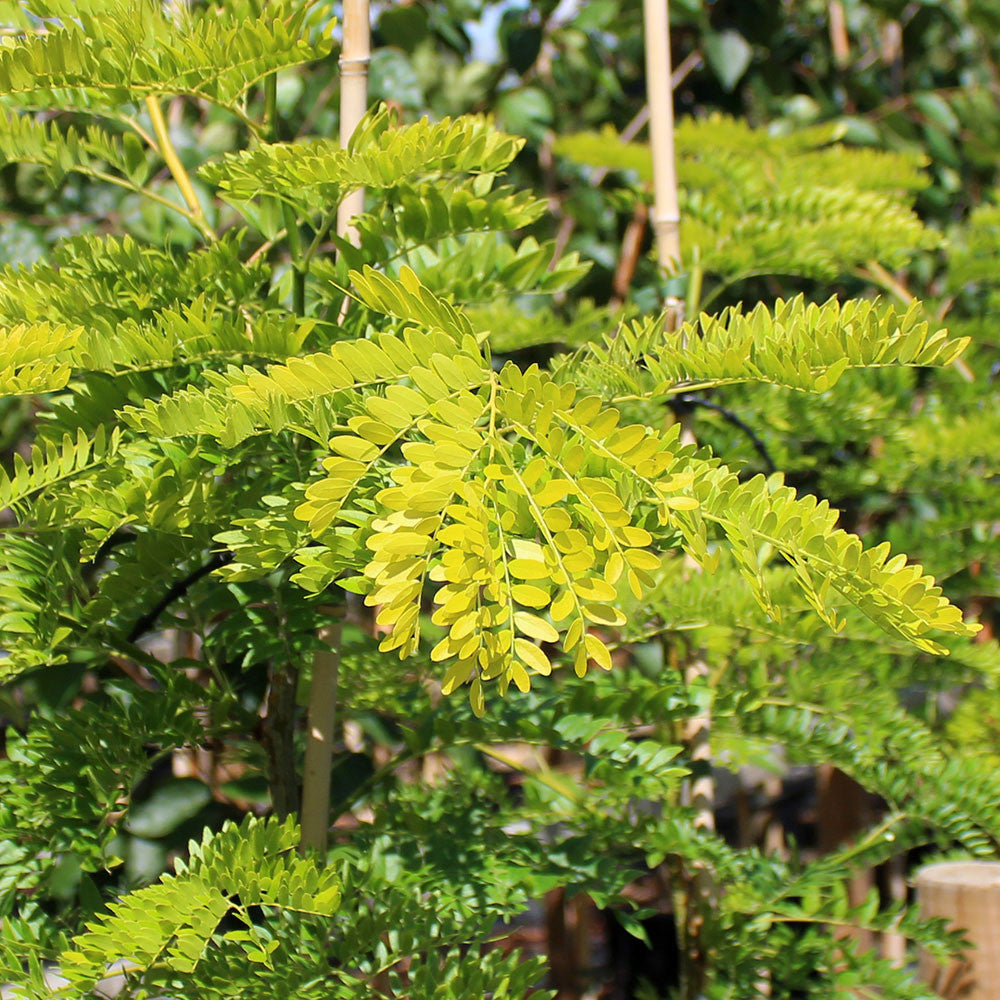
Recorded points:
(535, 627)
(532, 656)
(532, 597)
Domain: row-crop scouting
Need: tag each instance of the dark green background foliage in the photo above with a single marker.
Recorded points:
(222, 426)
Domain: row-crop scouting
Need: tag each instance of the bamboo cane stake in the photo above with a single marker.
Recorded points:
(665, 217)
(314, 816)
(355, 54)
(665, 220)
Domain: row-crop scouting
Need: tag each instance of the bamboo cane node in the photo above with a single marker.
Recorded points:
(354, 67)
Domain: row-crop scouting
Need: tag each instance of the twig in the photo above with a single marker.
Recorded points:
(630, 251)
(177, 591)
(265, 247)
(736, 421)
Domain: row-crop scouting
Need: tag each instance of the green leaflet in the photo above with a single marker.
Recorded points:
(245, 402)
(170, 924)
(98, 282)
(25, 140)
(132, 47)
(755, 203)
(318, 173)
(34, 358)
(426, 212)
(797, 344)
(51, 463)
(201, 331)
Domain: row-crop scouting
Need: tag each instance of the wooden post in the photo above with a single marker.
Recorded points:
(355, 54)
(844, 810)
(967, 894)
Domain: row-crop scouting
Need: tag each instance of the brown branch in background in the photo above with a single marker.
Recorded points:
(839, 40)
(628, 258)
(319, 105)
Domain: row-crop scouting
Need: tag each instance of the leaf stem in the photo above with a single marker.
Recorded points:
(271, 104)
(176, 168)
(299, 265)
(543, 775)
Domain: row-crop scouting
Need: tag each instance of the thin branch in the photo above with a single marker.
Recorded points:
(101, 175)
(631, 248)
(131, 123)
(730, 417)
(266, 246)
(176, 591)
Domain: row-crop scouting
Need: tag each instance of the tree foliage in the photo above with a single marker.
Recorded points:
(228, 440)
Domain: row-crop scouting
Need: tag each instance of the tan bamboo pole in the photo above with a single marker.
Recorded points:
(665, 220)
(355, 54)
(665, 217)
(967, 895)
(666, 225)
